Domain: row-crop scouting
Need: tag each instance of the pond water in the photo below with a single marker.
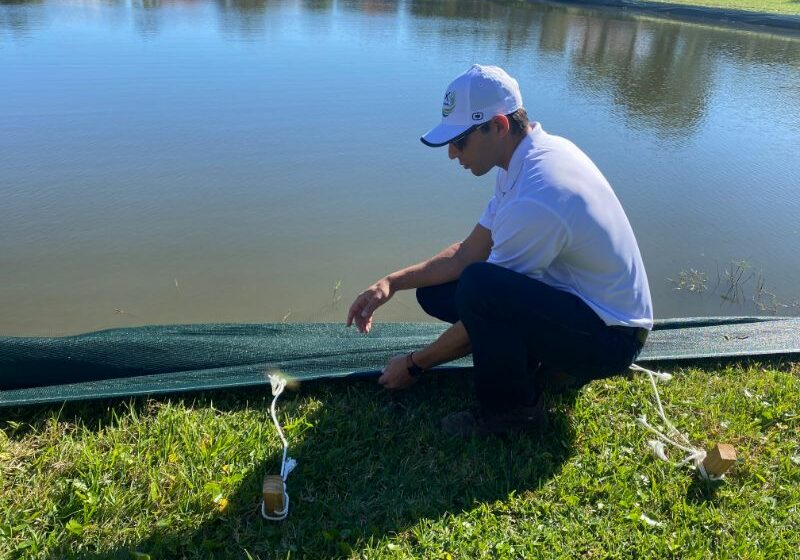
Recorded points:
(259, 160)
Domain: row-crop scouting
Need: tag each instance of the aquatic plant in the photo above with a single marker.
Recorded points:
(738, 283)
(691, 280)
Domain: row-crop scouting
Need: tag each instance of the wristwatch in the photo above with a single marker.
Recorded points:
(413, 369)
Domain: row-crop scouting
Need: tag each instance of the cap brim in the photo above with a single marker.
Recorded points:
(443, 134)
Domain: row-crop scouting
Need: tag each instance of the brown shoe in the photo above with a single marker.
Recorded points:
(474, 422)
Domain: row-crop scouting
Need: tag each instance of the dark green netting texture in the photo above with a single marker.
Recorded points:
(165, 359)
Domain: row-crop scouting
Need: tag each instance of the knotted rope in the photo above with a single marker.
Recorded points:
(673, 436)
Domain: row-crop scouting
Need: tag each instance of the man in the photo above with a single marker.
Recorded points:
(549, 280)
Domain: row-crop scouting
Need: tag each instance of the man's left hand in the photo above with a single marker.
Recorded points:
(395, 374)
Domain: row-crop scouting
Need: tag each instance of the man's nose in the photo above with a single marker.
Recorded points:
(452, 151)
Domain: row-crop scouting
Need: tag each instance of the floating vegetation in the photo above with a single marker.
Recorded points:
(120, 311)
(691, 280)
(739, 283)
(735, 278)
(322, 313)
(764, 299)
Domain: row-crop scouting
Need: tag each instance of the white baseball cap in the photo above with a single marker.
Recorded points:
(477, 95)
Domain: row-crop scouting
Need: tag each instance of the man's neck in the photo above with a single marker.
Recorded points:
(508, 151)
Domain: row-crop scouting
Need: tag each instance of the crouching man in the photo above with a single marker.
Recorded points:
(549, 281)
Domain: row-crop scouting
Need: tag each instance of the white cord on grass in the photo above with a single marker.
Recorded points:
(288, 464)
(673, 436)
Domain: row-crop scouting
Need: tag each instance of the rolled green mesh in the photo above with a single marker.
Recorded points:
(164, 359)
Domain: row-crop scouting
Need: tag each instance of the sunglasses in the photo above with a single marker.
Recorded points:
(460, 141)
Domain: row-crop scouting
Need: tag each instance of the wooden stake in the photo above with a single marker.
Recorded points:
(272, 490)
(719, 459)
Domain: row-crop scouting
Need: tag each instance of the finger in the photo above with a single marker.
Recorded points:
(372, 304)
(354, 310)
(363, 322)
(360, 324)
(354, 320)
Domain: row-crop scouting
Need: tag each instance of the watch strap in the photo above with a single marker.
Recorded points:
(413, 369)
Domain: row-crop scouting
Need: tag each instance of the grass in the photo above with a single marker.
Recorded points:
(180, 477)
(786, 7)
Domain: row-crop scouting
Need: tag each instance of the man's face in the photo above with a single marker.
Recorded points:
(476, 151)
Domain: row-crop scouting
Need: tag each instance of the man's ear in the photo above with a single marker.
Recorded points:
(502, 124)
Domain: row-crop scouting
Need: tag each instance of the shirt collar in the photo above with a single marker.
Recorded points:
(518, 158)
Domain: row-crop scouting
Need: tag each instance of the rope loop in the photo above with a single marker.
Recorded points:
(673, 436)
(278, 384)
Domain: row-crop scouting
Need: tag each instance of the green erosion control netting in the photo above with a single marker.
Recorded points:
(165, 359)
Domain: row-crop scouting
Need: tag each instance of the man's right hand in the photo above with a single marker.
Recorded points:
(367, 302)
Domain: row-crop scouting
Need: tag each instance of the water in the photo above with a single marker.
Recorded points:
(257, 161)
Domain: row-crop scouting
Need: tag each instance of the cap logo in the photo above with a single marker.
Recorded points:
(477, 116)
(449, 103)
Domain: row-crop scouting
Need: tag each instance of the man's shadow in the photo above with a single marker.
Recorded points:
(368, 472)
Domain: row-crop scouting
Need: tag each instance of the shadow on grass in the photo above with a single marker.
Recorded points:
(701, 491)
(374, 464)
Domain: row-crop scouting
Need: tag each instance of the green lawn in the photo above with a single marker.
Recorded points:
(789, 7)
(180, 477)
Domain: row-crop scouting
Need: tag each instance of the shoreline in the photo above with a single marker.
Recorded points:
(696, 13)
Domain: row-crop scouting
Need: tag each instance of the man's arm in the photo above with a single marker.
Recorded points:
(451, 345)
(445, 266)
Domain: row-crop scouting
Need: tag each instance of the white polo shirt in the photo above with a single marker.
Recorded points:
(555, 218)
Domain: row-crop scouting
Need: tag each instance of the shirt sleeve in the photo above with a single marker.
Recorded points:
(527, 237)
(487, 218)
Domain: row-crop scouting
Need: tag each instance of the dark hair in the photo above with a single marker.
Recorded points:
(518, 122)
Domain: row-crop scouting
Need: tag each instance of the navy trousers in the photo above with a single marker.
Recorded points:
(521, 328)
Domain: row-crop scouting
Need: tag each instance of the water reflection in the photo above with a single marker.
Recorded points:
(243, 19)
(659, 73)
(18, 20)
(370, 7)
(146, 16)
(659, 77)
(317, 5)
(457, 9)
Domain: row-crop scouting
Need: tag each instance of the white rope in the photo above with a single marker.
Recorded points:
(673, 436)
(288, 464)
